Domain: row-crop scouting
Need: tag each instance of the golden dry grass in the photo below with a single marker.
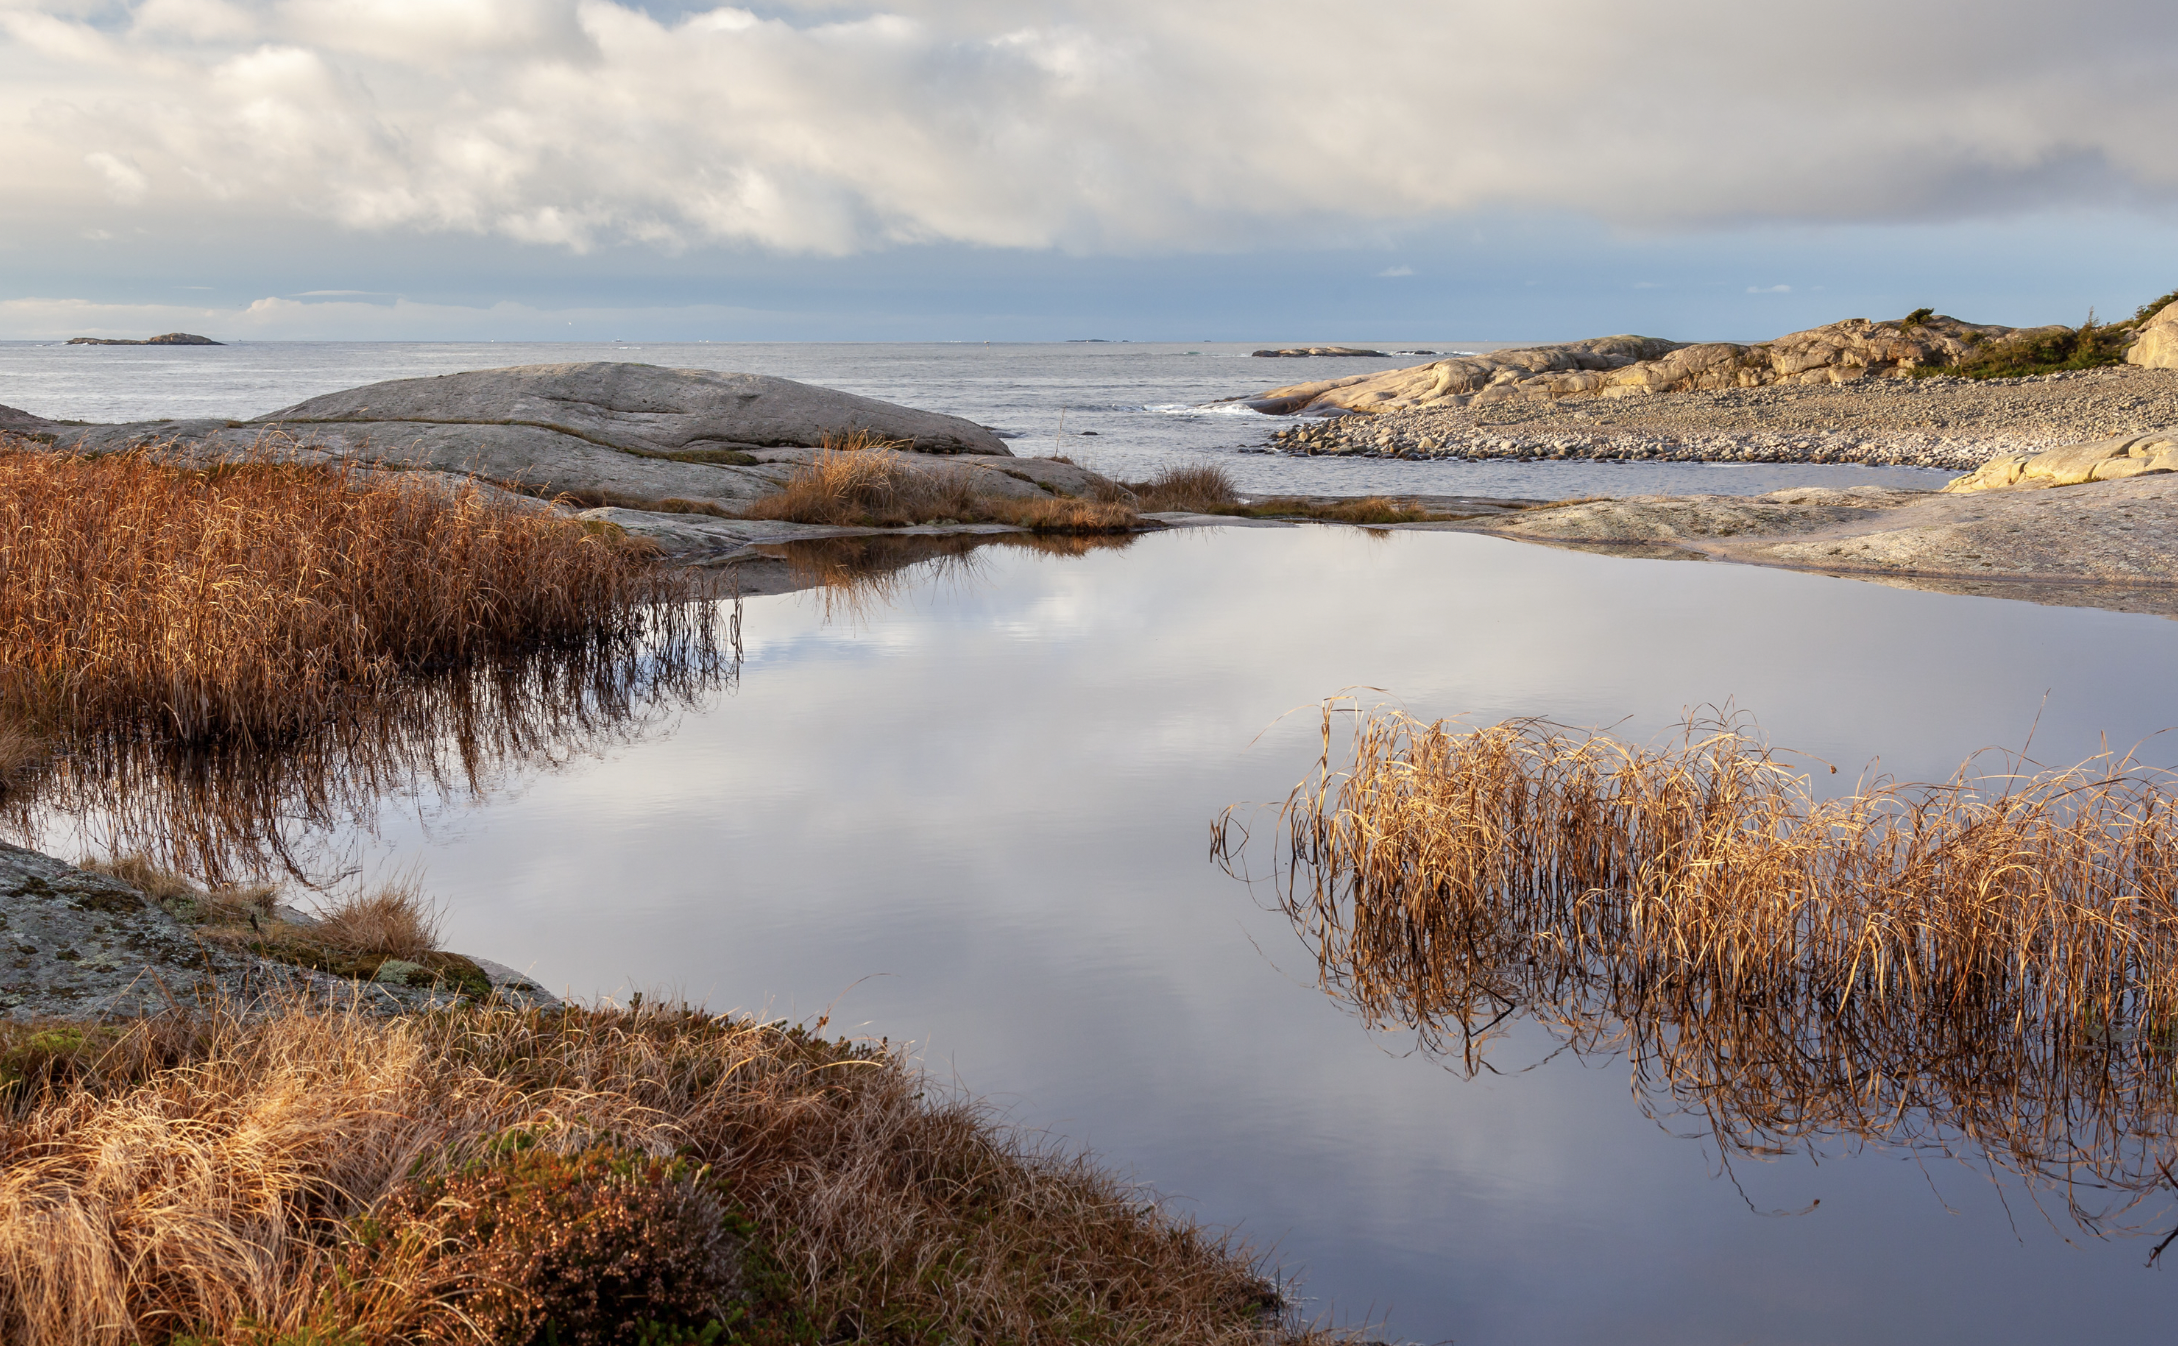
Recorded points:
(203, 1174)
(865, 482)
(394, 921)
(1199, 488)
(1987, 964)
(253, 599)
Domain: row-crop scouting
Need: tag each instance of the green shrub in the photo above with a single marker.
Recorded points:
(1916, 318)
(2043, 350)
(603, 1247)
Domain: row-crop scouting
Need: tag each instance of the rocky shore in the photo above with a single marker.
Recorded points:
(1937, 422)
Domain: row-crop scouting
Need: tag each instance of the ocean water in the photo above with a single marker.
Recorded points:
(1125, 408)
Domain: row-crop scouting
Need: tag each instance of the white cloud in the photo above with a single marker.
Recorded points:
(125, 182)
(1396, 271)
(1769, 289)
(1117, 126)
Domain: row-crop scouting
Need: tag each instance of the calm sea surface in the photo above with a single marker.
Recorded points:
(1122, 407)
(975, 815)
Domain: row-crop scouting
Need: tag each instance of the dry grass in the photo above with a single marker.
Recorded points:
(1198, 488)
(1988, 964)
(395, 921)
(207, 1174)
(23, 755)
(868, 483)
(255, 599)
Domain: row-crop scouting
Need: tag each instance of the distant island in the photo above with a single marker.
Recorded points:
(1302, 352)
(167, 339)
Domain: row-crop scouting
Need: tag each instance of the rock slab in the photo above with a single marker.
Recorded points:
(2157, 345)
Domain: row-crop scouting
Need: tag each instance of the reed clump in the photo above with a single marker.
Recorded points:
(257, 597)
(1987, 963)
(862, 481)
(312, 1175)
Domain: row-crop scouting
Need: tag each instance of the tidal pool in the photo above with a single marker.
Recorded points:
(973, 811)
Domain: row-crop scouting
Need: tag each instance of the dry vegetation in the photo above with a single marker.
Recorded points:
(1208, 489)
(865, 482)
(1988, 965)
(255, 599)
(502, 1176)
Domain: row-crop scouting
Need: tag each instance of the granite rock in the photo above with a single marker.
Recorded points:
(2157, 345)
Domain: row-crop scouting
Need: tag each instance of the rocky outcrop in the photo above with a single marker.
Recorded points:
(608, 433)
(645, 409)
(76, 944)
(2076, 464)
(2157, 345)
(1299, 352)
(164, 339)
(1625, 366)
(2104, 544)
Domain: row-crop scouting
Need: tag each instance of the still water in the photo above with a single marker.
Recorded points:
(1124, 408)
(975, 814)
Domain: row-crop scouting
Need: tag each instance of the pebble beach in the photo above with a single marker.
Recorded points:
(1936, 422)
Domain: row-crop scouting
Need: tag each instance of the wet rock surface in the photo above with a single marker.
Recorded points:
(76, 944)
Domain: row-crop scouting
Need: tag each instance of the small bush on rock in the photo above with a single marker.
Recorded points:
(602, 1247)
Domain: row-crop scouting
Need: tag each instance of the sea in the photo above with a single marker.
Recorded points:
(1125, 408)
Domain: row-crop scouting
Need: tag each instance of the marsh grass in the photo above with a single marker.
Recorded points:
(1986, 965)
(213, 1177)
(862, 481)
(256, 598)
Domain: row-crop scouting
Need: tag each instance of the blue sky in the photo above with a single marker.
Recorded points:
(1127, 169)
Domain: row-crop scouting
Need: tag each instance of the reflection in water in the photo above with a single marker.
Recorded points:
(230, 810)
(1986, 968)
(855, 577)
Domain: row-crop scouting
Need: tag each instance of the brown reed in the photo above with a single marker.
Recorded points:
(254, 598)
(1988, 963)
(202, 1175)
(863, 481)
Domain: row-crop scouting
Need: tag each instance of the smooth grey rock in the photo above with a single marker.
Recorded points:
(640, 408)
(607, 434)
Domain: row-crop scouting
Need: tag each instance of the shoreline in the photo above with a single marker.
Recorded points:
(1939, 422)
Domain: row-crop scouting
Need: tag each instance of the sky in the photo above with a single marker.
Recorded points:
(1126, 169)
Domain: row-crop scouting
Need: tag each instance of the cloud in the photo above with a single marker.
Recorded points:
(1120, 126)
(125, 182)
(1396, 271)
(1769, 289)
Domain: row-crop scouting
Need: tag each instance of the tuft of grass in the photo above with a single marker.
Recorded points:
(865, 482)
(258, 597)
(1200, 488)
(216, 1177)
(1989, 961)
(393, 922)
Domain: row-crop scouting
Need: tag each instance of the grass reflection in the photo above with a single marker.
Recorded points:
(855, 577)
(1985, 968)
(232, 809)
